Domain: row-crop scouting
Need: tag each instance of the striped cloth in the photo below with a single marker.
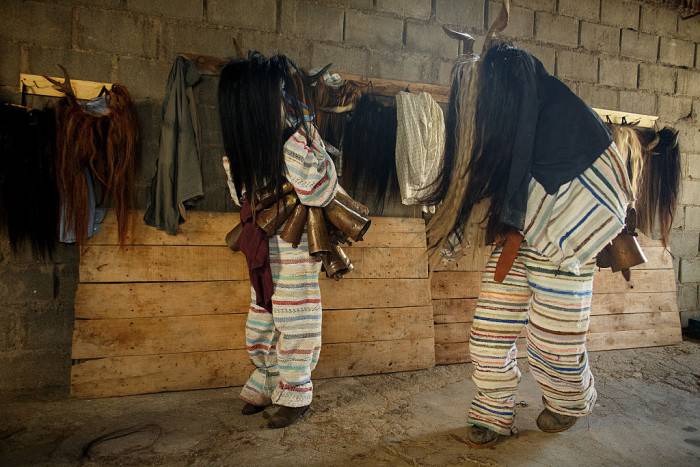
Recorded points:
(554, 306)
(572, 225)
(284, 345)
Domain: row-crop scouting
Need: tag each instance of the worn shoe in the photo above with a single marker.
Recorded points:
(285, 416)
(480, 437)
(552, 422)
(250, 409)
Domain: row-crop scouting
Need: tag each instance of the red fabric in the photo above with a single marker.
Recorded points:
(254, 246)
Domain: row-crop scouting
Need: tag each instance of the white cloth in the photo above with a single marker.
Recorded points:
(420, 144)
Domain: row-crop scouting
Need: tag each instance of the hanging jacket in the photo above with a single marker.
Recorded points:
(178, 177)
(558, 137)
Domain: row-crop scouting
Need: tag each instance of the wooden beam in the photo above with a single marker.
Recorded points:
(40, 86)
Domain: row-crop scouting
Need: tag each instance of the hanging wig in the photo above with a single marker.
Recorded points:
(256, 95)
(369, 153)
(329, 124)
(626, 139)
(101, 135)
(28, 195)
(657, 197)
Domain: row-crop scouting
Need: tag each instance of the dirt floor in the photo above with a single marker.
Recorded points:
(648, 413)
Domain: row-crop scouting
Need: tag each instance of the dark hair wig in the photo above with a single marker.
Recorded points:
(369, 152)
(501, 74)
(660, 182)
(28, 194)
(252, 94)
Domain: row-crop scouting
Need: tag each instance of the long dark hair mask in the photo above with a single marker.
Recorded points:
(498, 103)
(252, 96)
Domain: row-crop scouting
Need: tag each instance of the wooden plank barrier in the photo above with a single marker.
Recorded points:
(642, 313)
(168, 312)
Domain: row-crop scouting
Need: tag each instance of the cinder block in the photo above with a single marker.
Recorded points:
(372, 30)
(410, 8)
(545, 54)
(639, 45)
(521, 23)
(9, 64)
(689, 139)
(319, 22)
(620, 13)
(690, 270)
(687, 315)
(687, 297)
(430, 38)
(556, 29)
(191, 9)
(361, 4)
(690, 28)
(145, 78)
(405, 66)
(690, 192)
(347, 59)
(678, 218)
(47, 327)
(659, 20)
(684, 243)
(657, 78)
(540, 5)
(36, 23)
(599, 96)
(577, 66)
(298, 49)
(688, 83)
(28, 371)
(116, 32)
(22, 283)
(638, 102)
(692, 216)
(618, 73)
(11, 333)
(181, 37)
(600, 38)
(465, 13)
(672, 108)
(445, 72)
(240, 13)
(677, 52)
(92, 66)
(589, 9)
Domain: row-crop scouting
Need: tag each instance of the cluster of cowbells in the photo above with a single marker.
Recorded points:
(343, 220)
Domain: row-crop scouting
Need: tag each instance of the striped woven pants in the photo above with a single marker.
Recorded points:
(554, 306)
(284, 345)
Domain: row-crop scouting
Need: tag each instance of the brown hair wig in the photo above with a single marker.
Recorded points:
(330, 125)
(657, 197)
(106, 143)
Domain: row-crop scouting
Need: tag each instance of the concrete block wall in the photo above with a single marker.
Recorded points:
(615, 54)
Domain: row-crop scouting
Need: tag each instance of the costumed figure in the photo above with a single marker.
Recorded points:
(288, 188)
(534, 169)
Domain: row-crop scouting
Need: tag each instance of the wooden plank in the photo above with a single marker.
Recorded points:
(605, 324)
(210, 228)
(633, 302)
(158, 299)
(151, 336)
(455, 284)
(391, 87)
(40, 86)
(474, 259)
(659, 280)
(454, 310)
(120, 376)
(458, 352)
(145, 263)
(658, 257)
(464, 284)
(161, 263)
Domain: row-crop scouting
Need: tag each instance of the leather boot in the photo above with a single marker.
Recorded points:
(480, 437)
(552, 422)
(285, 416)
(250, 409)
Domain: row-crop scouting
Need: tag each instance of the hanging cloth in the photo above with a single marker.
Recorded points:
(420, 142)
(178, 177)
